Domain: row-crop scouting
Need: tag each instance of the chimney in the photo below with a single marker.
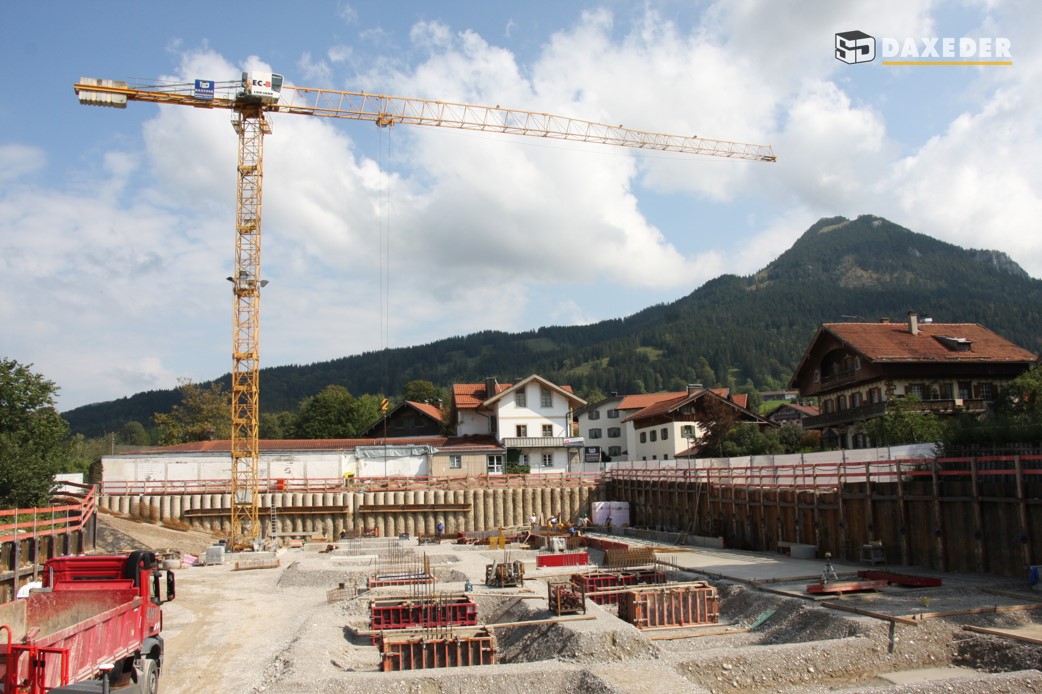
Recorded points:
(490, 387)
(693, 388)
(913, 322)
(884, 319)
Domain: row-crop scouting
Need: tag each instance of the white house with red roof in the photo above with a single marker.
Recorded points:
(530, 418)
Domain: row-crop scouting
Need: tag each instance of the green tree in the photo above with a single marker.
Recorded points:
(134, 434)
(336, 414)
(718, 419)
(276, 425)
(32, 436)
(422, 391)
(905, 422)
(203, 415)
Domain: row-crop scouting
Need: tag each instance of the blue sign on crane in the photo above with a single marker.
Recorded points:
(204, 90)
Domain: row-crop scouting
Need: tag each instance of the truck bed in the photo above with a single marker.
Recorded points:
(93, 626)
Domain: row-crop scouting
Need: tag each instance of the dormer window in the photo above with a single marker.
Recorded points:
(955, 344)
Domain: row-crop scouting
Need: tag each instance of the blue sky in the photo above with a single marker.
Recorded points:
(116, 227)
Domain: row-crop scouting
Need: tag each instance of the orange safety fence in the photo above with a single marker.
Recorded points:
(19, 523)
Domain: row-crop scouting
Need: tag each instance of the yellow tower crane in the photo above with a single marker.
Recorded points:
(257, 94)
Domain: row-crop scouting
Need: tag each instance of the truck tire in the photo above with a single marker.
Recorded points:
(149, 677)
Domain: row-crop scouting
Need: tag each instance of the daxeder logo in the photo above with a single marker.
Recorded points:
(855, 47)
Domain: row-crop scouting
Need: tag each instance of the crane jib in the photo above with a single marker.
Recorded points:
(258, 93)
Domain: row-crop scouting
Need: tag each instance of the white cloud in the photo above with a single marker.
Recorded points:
(18, 161)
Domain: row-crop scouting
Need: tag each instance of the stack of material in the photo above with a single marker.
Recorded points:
(633, 556)
(564, 598)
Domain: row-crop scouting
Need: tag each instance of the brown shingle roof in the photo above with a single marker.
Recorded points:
(892, 342)
(642, 400)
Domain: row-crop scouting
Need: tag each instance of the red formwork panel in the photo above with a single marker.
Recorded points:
(420, 650)
(412, 613)
(670, 606)
(563, 559)
(593, 584)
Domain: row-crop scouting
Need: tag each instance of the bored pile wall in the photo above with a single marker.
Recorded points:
(327, 514)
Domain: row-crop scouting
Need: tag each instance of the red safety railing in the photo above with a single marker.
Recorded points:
(19, 523)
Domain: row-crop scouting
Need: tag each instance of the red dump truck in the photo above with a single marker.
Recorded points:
(94, 626)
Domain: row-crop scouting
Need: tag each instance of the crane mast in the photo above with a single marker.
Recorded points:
(257, 94)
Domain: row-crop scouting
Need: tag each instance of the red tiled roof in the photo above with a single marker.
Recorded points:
(892, 342)
(432, 411)
(471, 395)
(224, 445)
(642, 400)
(470, 443)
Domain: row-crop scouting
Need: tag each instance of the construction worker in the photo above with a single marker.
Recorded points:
(441, 529)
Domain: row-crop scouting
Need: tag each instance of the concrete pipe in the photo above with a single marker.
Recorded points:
(479, 509)
(490, 509)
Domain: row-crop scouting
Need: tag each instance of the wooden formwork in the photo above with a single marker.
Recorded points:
(419, 650)
(670, 606)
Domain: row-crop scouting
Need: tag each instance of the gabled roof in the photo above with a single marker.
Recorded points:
(432, 411)
(935, 343)
(894, 342)
(665, 407)
(808, 410)
(642, 400)
(471, 396)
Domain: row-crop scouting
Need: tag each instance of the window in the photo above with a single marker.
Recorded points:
(841, 403)
(613, 414)
(455, 462)
(829, 406)
(546, 397)
(855, 400)
(495, 463)
(965, 391)
(521, 399)
(946, 391)
(548, 430)
(522, 430)
(614, 451)
(548, 459)
(873, 395)
(987, 391)
(654, 436)
(595, 433)
(916, 389)
(643, 437)
(614, 432)
(523, 459)
(595, 414)
(687, 431)
(665, 434)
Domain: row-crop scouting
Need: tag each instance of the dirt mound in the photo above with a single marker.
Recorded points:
(118, 534)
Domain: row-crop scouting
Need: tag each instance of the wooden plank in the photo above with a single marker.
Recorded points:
(844, 587)
(1006, 633)
(868, 613)
(976, 610)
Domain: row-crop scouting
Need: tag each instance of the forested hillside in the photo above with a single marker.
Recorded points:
(735, 331)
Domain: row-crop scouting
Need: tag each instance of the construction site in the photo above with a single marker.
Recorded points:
(522, 609)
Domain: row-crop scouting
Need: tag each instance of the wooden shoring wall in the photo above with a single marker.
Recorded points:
(980, 515)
